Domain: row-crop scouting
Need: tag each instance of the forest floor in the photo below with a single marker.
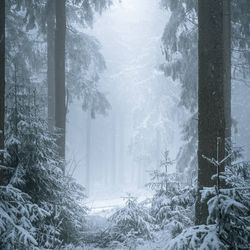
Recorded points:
(97, 220)
(159, 243)
(105, 205)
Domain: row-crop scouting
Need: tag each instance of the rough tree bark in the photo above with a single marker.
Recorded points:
(60, 105)
(51, 62)
(213, 90)
(227, 68)
(2, 76)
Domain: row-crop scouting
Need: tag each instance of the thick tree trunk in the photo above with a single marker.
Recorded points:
(2, 88)
(2, 77)
(51, 62)
(60, 106)
(227, 68)
(212, 99)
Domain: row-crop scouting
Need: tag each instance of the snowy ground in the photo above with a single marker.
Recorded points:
(159, 243)
(101, 209)
(106, 205)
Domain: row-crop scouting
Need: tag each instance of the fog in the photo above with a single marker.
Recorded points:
(120, 148)
(113, 154)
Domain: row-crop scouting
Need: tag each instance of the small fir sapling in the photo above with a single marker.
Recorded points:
(172, 203)
(128, 223)
(228, 224)
(229, 206)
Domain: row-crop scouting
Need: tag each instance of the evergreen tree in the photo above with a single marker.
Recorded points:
(172, 203)
(180, 44)
(228, 210)
(84, 61)
(28, 43)
(36, 171)
(127, 224)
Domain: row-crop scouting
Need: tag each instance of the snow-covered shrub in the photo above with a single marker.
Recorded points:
(229, 206)
(201, 237)
(18, 217)
(172, 203)
(233, 205)
(72, 212)
(128, 224)
(228, 213)
(228, 225)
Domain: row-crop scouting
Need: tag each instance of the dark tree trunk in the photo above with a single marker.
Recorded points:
(214, 77)
(227, 62)
(60, 106)
(51, 62)
(2, 77)
(2, 88)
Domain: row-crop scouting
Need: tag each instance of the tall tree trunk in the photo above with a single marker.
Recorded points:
(121, 151)
(158, 149)
(114, 152)
(2, 76)
(227, 68)
(212, 99)
(2, 88)
(51, 62)
(88, 152)
(60, 105)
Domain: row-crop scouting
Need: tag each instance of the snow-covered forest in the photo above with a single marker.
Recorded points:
(124, 124)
